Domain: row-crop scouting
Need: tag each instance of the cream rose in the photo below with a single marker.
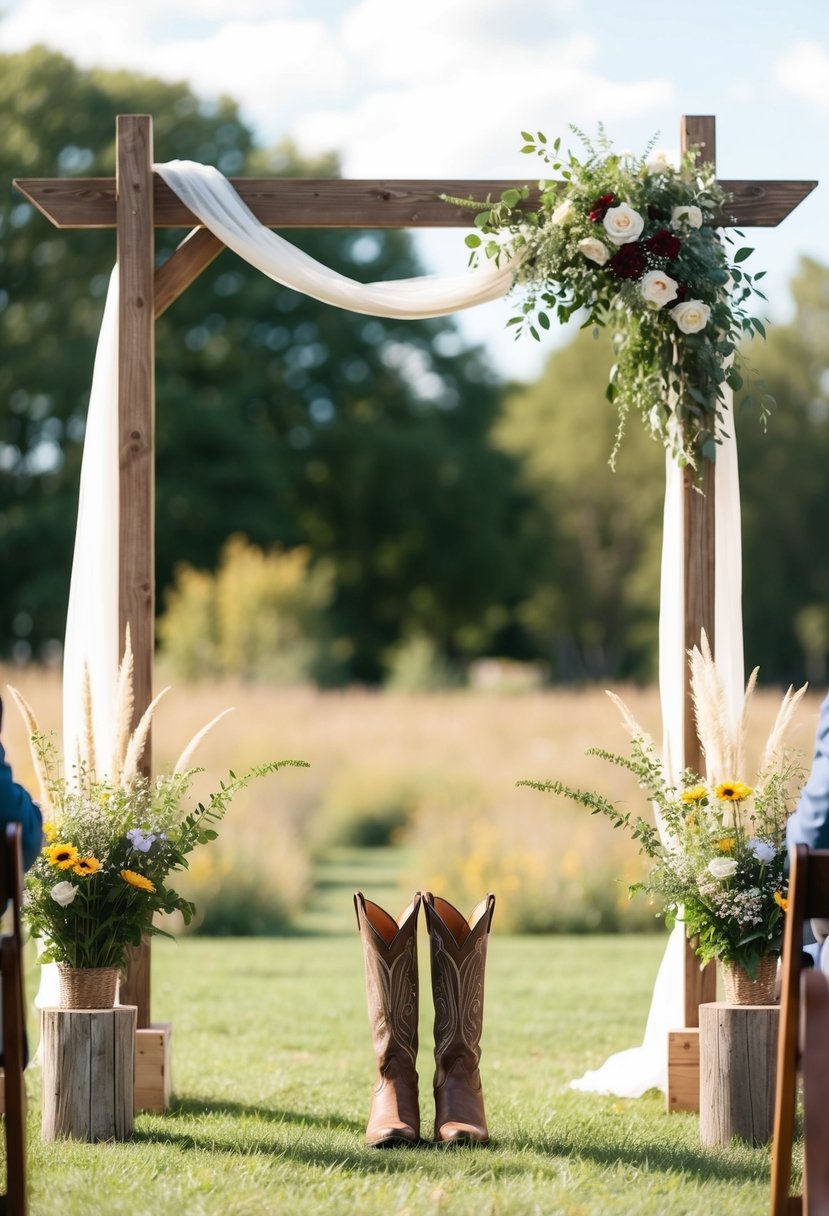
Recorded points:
(563, 213)
(722, 867)
(691, 316)
(658, 161)
(690, 215)
(623, 224)
(63, 893)
(594, 250)
(658, 288)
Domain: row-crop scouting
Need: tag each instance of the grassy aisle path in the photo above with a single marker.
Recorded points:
(272, 1071)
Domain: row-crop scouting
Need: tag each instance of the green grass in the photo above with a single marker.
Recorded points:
(272, 1072)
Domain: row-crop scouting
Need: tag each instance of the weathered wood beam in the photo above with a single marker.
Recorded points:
(351, 203)
(699, 539)
(136, 427)
(184, 265)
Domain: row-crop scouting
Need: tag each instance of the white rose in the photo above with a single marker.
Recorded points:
(63, 893)
(658, 288)
(658, 161)
(690, 215)
(691, 316)
(563, 212)
(594, 250)
(722, 867)
(623, 224)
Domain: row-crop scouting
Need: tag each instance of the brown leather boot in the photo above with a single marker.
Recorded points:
(390, 953)
(458, 949)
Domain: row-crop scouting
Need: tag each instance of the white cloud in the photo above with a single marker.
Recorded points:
(804, 71)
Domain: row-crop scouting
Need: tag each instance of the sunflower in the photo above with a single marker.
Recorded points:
(781, 901)
(695, 794)
(733, 791)
(137, 880)
(61, 855)
(726, 844)
(86, 865)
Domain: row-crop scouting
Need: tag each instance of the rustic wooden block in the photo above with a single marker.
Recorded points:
(88, 1073)
(738, 1064)
(153, 1073)
(683, 1069)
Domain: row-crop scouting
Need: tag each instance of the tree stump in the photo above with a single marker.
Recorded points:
(738, 1059)
(88, 1073)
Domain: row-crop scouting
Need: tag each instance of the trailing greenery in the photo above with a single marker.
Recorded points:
(632, 243)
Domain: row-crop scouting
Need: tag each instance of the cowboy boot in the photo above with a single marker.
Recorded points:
(390, 953)
(458, 950)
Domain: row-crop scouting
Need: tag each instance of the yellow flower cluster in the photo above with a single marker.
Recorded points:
(66, 857)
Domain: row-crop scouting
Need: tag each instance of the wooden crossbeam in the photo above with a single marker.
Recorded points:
(353, 203)
(198, 249)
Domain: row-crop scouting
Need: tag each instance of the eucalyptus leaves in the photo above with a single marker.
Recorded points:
(633, 242)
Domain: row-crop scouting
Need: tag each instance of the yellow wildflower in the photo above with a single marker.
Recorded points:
(86, 865)
(695, 794)
(137, 880)
(733, 791)
(61, 855)
(781, 901)
(50, 832)
(726, 844)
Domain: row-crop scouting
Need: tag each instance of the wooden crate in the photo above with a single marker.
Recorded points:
(153, 1073)
(683, 1069)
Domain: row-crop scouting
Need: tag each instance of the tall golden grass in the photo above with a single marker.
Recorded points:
(452, 757)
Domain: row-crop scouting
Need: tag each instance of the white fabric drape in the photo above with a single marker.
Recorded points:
(630, 1073)
(92, 624)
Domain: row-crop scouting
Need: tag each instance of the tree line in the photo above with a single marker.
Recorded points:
(430, 500)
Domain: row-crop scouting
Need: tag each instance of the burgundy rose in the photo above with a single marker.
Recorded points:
(600, 206)
(655, 213)
(629, 262)
(681, 292)
(663, 244)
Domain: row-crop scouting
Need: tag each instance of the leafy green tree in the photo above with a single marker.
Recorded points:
(784, 478)
(594, 611)
(278, 417)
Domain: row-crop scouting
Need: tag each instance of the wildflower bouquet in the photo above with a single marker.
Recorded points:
(718, 854)
(632, 242)
(113, 842)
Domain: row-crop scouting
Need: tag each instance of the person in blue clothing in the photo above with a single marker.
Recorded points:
(17, 806)
(809, 823)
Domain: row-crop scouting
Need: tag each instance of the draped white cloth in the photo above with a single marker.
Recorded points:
(630, 1073)
(92, 624)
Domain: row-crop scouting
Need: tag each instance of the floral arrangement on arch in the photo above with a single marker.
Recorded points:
(718, 856)
(632, 241)
(114, 840)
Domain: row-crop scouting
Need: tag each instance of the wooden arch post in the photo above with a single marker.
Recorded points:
(137, 201)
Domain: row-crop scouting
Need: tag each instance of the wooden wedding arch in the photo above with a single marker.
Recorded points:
(136, 201)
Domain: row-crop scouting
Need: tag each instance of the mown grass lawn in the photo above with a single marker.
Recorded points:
(272, 1071)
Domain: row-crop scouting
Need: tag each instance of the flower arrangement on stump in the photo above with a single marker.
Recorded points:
(718, 849)
(632, 242)
(112, 843)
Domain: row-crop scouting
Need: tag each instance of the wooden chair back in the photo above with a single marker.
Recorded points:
(14, 1023)
(803, 995)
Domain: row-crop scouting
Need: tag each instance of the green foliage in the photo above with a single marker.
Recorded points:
(785, 493)
(617, 239)
(367, 805)
(594, 609)
(365, 440)
(416, 666)
(259, 616)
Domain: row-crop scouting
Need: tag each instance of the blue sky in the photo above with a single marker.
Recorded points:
(443, 87)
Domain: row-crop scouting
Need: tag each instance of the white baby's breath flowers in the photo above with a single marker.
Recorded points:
(659, 161)
(623, 224)
(594, 249)
(722, 867)
(658, 288)
(690, 215)
(63, 893)
(691, 316)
